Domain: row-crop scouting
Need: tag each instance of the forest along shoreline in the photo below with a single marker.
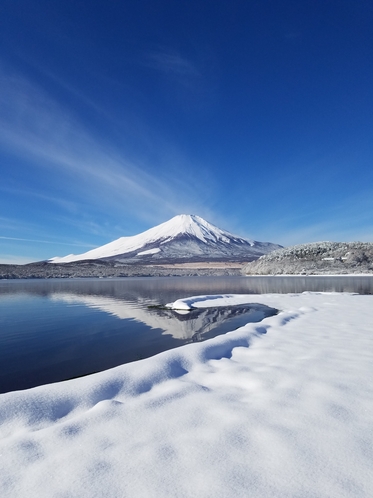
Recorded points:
(97, 269)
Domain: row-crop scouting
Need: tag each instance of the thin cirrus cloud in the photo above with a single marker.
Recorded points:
(34, 126)
(39, 241)
(290, 230)
(12, 225)
(11, 259)
(176, 69)
(171, 63)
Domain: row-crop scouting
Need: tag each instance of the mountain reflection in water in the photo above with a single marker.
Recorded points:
(190, 326)
(51, 330)
(204, 323)
(56, 330)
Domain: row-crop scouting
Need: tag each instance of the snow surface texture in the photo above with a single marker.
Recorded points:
(318, 258)
(182, 237)
(281, 408)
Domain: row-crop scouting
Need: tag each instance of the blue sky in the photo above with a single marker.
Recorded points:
(117, 115)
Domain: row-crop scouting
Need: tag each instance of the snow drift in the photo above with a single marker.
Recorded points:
(281, 408)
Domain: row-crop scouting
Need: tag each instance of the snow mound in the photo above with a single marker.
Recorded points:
(208, 301)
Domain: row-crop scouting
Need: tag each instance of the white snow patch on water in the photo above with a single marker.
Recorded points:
(281, 408)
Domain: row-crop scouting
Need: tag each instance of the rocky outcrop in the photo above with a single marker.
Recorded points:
(318, 258)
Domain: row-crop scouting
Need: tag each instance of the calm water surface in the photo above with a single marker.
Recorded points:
(52, 330)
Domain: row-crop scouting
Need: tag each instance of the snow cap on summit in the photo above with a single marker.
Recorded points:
(193, 225)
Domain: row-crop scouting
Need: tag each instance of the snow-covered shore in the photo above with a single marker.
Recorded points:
(281, 408)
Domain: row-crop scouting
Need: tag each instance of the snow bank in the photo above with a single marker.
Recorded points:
(210, 301)
(281, 408)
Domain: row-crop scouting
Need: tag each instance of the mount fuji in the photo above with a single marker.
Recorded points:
(184, 238)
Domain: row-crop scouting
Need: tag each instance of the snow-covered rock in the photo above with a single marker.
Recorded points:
(183, 238)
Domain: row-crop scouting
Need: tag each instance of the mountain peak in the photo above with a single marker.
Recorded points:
(185, 237)
(190, 224)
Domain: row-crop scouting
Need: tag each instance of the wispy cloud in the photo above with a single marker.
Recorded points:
(9, 225)
(336, 225)
(25, 192)
(11, 259)
(35, 126)
(172, 63)
(182, 76)
(325, 232)
(54, 242)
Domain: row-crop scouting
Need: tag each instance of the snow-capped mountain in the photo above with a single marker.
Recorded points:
(184, 238)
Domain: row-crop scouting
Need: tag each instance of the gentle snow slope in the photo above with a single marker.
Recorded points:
(282, 408)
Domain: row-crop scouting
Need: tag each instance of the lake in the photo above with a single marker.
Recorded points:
(52, 330)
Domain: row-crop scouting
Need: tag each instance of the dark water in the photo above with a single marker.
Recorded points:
(51, 330)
